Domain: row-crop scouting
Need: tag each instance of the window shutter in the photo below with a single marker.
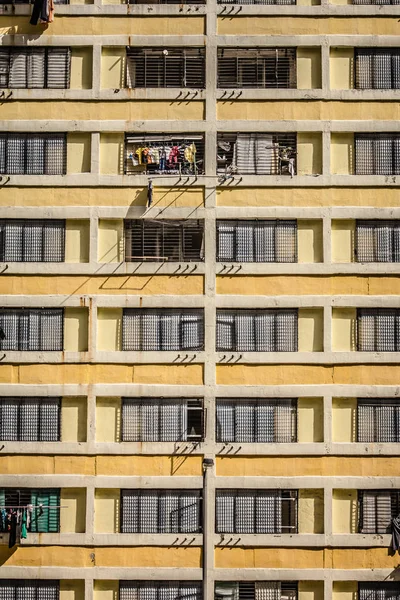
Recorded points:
(15, 154)
(36, 68)
(58, 68)
(4, 67)
(9, 419)
(49, 420)
(54, 513)
(29, 419)
(18, 68)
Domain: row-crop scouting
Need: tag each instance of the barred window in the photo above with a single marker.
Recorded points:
(243, 2)
(31, 329)
(164, 240)
(379, 590)
(268, 330)
(378, 420)
(45, 519)
(377, 508)
(164, 329)
(166, 2)
(165, 68)
(162, 419)
(378, 329)
(30, 419)
(378, 241)
(376, 2)
(256, 68)
(29, 589)
(377, 68)
(256, 590)
(32, 240)
(377, 153)
(162, 154)
(160, 511)
(257, 153)
(262, 420)
(160, 590)
(33, 153)
(35, 67)
(256, 511)
(257, 241)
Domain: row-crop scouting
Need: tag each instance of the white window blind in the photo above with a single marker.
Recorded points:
(160, 590)
(377, 508)
(35, 67)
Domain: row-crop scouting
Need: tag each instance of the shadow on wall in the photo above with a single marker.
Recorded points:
(6, 553)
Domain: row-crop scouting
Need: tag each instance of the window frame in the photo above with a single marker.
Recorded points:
(19, 312)
(258, 60)
(25, 224)
(19, 584)
(378, 332)
(41, 400)
(47, 137)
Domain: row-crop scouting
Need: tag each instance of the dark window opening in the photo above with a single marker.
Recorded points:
(32, 240)
(256, 68)
(30, 419)
(165, 68)
(33, 153)
(377, 153)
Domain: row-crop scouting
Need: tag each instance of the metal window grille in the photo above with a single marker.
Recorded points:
(377, 153)
(29, 589)
(243, 2)
(379, 590)
(256, 511)
(256, 68)
(157, 240)
(377, 68)
(378, 420)
(378, 330)
(257, 241)
(376, 2)
(160, 511)
(165, 68)
(32, 240)
(269, 330)
(378, 241)
(377, 508)
(45, 520)
(256, 590)
(164, 329)
(166, 2)
(162, 419)
(161, 154)
(33, 153)
(160, 590)
(31, 329)
(35, 67)
(257, 153)
(260, 420)
(30, 419)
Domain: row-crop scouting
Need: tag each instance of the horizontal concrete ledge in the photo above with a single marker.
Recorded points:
(302, 574)
(172, 540)
(91, 573)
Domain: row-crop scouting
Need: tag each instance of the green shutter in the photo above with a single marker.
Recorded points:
(49, 521)
(2, 503)
(35, 514)
(54, 513)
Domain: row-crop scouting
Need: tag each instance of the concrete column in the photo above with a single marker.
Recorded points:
(327, 328)
(328, 420)
(208, 527)
(95, 153)
(325, 62)
(90, 510)
(326, 152)
(96, 67)
(326, 239)
(91, 418)
(89, 584)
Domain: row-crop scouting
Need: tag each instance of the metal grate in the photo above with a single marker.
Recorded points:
(161, 154)
(260, 420)
(256, 68)
(32, 240)
(378, 241)
(256, 511)
(377, 508)
(160, 590)
(377, 68)
(30, 419)
(29, 589)
(33, 153)
(256, 590)
(162, 419)
(257, 153)
(164, 329)
(257, 241)
(269, 330)
(184, 2)
(31, 329)
(35, 67)
(244, 2)
(378, 420)
(377, 153)
(376, 2)
(43, 520)
(161, 240)
(378, 329)
(160, 511)
(165, 68)
(379, 590)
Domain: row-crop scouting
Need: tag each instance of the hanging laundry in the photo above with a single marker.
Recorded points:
(149, 194)
(190, 153)
(43, 11)
(13, 529)
(24, 530)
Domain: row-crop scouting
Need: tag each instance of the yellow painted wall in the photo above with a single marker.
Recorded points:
(111, 240)
(81, 68)
(23, 464)
(112, 153)
(344, 321)
(345, 590)
(309, 241)
(109, 329)
(341, 63)
(310, 420)
(105, 590)
(76, 321)
(344, 511)
(73, 419)
(343, 240)
(163, 466)
(311, 590)
(71, 589)
(106, 511)
(308, 68)
(311, 330)
(78, 151)
(77, 240)
(108, 419)
(309, 153)
(113, 64)
(73, 515)
(342, 153)
(344, 419)
(311, 511)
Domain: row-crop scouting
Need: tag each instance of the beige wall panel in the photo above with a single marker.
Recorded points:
(76, 323)
(48, 465)
(342, 153)
(341, 64)
(110, 240)
(344, 321)
(77, 240)
(109, 329)
(73, 515)
(311, 330)
(153, 556)
(106, 511)
(108, 419)
(81, 68)
(78, 149)
(113, 65)
(345, 590)
(343, 240)
(106, 590)
(71, 589)
(308, 68)
(344, 419)
(311, 511)
(309, 153)
(310, 421)
(73, 419)
(112, 153)
(311, 590)
(344, 511)
(309, 241)
(163, 466)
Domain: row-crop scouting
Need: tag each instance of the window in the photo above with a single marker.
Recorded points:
(30, 419)
(256, 67)
(378, 329)
(256, 511)
(165, 329)
(160, 590)
(35, 67)
(31, 329)
(32, 240)
(378, 420)
(262, 420)
(166, 2)
(378, 241)
(29, 589)
(33, 153)
(269, 330)
(257, 241)
(379, 590)
(377, 68)
(165, 68)
(377, 153)
(160, 511)
(376, 2)
(257, 153)
(162, 419)
(377, 508)
(255, 590)
(159, 154)
(160, 240)
(43, 520)
(280, 2)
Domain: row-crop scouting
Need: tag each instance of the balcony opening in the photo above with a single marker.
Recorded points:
(256, 68)
(165, 68)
